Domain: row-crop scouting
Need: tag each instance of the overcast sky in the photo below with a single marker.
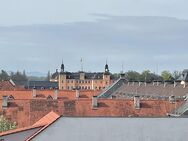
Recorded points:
(142, 34)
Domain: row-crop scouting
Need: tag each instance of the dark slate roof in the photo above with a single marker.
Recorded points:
(88, 75)
(185, 75)
(37, 84)
(55, 75)
(116, 129)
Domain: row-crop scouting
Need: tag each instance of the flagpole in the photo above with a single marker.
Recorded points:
(81, 64)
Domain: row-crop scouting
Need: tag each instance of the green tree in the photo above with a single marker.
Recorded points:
(145, 75)
(149, 77)
(18, 76)
(6, 125)
(4, 75)
(166, 75)
(48, 76)
(132, 75)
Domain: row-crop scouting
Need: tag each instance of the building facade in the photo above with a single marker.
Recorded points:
(83, 80)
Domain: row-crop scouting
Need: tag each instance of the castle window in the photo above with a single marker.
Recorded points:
(72, 81)
(49, 97)
(62, 81)
(68, 87)
(88, 81)
(82, 87)
(88, 87)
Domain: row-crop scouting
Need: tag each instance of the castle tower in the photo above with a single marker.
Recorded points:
(106, 76)
(106, 68)
(62, 67)
(62, 78)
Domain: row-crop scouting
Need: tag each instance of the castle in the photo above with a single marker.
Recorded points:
(82, 80)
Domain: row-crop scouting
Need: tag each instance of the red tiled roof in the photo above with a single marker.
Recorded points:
(6, 85)
(43, 122)
(49, 118)
(27, 111)
(43, 94)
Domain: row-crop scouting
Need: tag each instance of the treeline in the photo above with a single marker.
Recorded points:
(21, 76)
(15, 76)
(148, 76)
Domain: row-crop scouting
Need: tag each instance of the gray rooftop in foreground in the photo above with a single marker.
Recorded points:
(116, 129)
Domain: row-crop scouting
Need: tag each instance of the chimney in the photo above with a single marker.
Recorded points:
(94, 102)
(5, 102)
(122, 75)
(55, 94)
(34, 92)
(77, 94)
(113, 97)
(157, 83)
(137, 102)
(133, 83)
(184, 85)
(139, 83)
(128, 83)
(186, 97)
(172, 99)
(175, 84)
(165, 84)
(145, 84)
(153, 83)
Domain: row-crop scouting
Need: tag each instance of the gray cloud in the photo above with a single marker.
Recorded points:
(140, 42)
(22, 12)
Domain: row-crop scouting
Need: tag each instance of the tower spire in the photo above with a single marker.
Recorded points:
(106, 67)
(81, 61)
(122, 67)
(62, 67)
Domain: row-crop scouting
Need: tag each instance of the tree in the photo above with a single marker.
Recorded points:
(4, 75)
(6, 125)
(145, 76)
(18, 76)
(176, 75)
(116, 75)
(48, 76)
(167, 76)
(132, 75)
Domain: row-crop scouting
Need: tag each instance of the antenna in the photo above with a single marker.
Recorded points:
(122, 67)
(81, 61)
(157, 67)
